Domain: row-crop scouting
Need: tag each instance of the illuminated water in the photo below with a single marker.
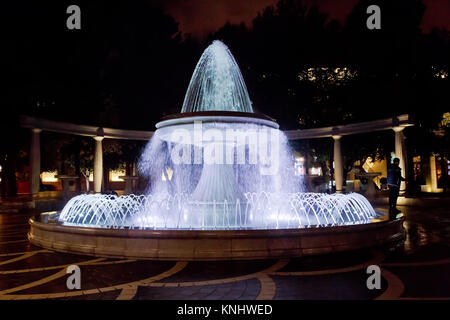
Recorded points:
(224, 173)
(258, 211)
(217, 83)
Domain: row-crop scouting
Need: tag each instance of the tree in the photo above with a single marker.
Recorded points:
(307, 71)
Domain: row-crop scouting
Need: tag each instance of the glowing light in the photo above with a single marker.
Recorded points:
(329, 75)
(446, 119)
(49, 176)
(299, 167)
(115, 174)
(167, 172)
(315, 171)
(440, 73)
(368, 164)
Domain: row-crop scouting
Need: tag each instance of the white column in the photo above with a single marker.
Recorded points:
(35, 160)
(134, 173)
(433, 174)
(400, 152)
(128, 185)
(98, 164)
(338, 167)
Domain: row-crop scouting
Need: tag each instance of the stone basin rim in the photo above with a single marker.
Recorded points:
(217, 117)
(218, 233)
(212, 245)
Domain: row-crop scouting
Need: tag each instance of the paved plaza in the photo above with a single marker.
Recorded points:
(416, 269)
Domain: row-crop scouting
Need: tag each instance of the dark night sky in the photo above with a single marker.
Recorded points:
(199, 17)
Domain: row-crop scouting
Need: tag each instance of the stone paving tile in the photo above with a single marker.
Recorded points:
(211, 270)
(20, 217)
(43, 260)
(12, 237)
(18, 230)
(247, 289)
(14, 229)
(9, 236)
(7, 226)
(5, 258)
(18, 247)
(8, 281)
(106, 275)
(332, 261)
(428, 252)
(425, 281)
(112, 295)
(23, 226)
(343, 286)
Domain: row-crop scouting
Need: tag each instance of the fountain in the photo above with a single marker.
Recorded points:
(221, 176)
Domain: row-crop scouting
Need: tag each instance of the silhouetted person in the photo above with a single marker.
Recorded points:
(394, 180)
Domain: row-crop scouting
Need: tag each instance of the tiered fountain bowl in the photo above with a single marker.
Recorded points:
(221, 187)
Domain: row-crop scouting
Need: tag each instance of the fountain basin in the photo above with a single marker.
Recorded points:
(212, 244)
(222, 187)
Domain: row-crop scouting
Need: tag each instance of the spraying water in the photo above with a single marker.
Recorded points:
(217, 165)
(217, 83)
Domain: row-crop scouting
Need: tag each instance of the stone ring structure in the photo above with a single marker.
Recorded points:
(212, 244)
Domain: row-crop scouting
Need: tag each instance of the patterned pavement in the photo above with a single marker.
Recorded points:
(418, 268)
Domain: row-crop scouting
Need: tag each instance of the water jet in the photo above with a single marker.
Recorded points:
(231, 193)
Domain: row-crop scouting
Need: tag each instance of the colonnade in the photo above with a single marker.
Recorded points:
(397, 124)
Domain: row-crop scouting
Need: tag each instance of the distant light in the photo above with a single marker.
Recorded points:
(368, 164)
(115, 174)
(316, 171)
(439, 73)
(446, 119)
(169, 173)
(299, 168)
(392, 156)
(49, 176)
